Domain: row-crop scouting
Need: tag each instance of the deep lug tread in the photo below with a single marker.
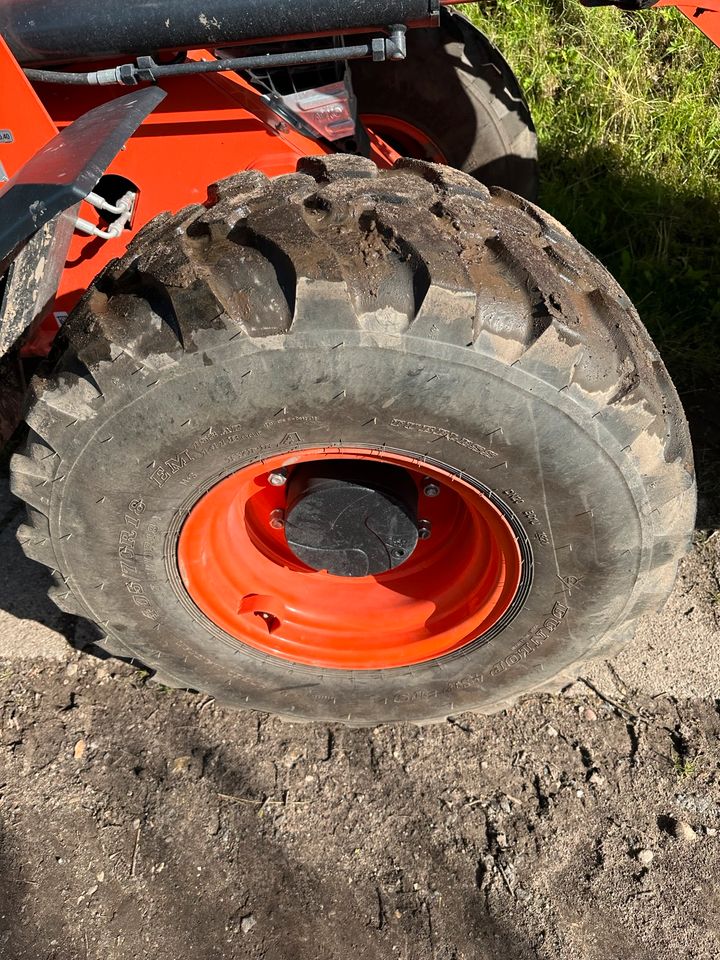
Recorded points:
(447, 315)
(444, 180)
(326, 169)
(63, 598)
(38, 523)
(36, 493)
(36, 547)
(581, 338)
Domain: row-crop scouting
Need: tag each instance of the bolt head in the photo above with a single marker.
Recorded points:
(430, 488)
(277, 519)
(278, 478)
(424, 529)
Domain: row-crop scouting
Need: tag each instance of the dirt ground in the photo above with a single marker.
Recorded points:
(141, 822)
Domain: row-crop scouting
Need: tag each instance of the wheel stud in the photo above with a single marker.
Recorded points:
(277, 519)
(424, 529)
(278, 478)
(430, 488)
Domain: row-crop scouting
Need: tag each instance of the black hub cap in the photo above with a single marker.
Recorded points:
(351, 517)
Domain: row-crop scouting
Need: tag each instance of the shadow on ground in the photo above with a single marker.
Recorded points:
(24, 586)
(142, 822)
(137, 824)
(663, 245)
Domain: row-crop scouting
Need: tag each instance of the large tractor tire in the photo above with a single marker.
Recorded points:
(453, 100)
(358, 446)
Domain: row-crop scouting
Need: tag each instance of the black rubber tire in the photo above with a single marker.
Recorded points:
(457, 88)
(408, 309)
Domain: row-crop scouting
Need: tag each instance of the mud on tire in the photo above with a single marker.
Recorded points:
(410, 309)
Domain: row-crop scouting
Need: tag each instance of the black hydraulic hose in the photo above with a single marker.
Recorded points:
(266, 60)
(57, 76)
(147, 70)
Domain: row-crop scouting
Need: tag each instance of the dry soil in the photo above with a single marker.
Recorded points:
(138, 822)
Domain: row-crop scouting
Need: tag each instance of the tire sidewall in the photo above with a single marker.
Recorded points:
(580, 502)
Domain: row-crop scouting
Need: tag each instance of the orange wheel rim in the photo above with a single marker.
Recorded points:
(238, 570)
(406, 138)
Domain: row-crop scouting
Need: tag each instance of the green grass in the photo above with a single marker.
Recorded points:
(684, 767)
(627, 109)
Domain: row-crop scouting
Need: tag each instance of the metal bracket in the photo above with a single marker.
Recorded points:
(393, 47)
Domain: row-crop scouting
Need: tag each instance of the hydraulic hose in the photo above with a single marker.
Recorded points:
(380, 48)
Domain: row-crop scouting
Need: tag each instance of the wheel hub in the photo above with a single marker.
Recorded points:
(351, 518)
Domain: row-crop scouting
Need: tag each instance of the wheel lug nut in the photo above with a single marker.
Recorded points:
(277, 519)
(278, 478)
(424, 529)
(430, 488)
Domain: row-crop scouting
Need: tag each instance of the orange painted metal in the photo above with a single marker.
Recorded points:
(239, 571)
(26, 124)
(207, 128)
(412, 141)
(210, 126)
(705, 16)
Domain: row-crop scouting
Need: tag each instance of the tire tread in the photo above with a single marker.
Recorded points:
(161, 301)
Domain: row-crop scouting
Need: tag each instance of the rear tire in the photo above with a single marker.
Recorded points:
(405, 310)
(456, 89)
